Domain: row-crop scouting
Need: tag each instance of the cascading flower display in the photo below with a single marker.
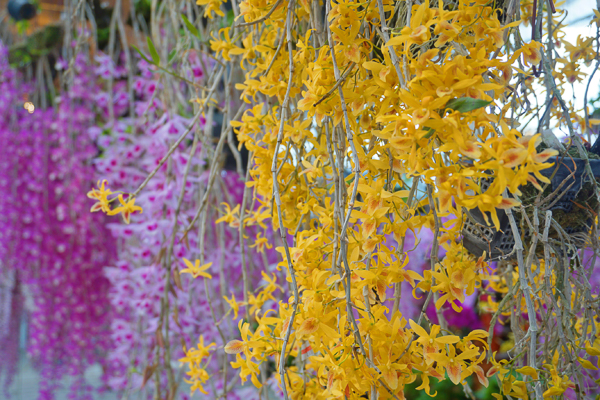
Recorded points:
(369, 121)
(50, 244)
(163, 295)
(294, 189)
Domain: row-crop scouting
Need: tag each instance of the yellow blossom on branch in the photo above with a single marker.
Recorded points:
(212, 7)
(195, 357)
(101, 195)
(126, 208)
(195, 269)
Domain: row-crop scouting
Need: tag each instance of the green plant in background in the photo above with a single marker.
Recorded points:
(39, 43)
(446, 390)
(22, 26)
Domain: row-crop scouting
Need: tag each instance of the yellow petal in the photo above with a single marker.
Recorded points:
(514, 157)
(234, 347)
(553, 391)
(508, 203)
(592, 351)
(586, 364)
(544, 155)
(529, 371)
(447, 339)
(308, 327)
(391, 378)
(417, 328)
(481, 375)
(454, 371)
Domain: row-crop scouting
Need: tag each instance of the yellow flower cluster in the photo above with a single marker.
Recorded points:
(367, 121)
(101, 195)
(194, 358)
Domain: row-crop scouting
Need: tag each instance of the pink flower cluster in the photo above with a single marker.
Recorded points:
(50, 244)
(129, 150)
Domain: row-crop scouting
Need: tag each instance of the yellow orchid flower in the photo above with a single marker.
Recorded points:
(125, 209)
(195, 269)
(101, 194)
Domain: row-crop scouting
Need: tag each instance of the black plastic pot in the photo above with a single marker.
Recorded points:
(479, 236)
(21, 9)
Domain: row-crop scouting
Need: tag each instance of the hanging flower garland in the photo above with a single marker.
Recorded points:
(50, 244)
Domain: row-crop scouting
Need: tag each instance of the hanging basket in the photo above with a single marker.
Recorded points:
(569, 209)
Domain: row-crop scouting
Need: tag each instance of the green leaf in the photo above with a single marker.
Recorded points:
(466, 104)
(193, 30)
(230, 17)
(142, 54)
(153, 52)
(171, 56)
(430, 132)
(290, 361)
